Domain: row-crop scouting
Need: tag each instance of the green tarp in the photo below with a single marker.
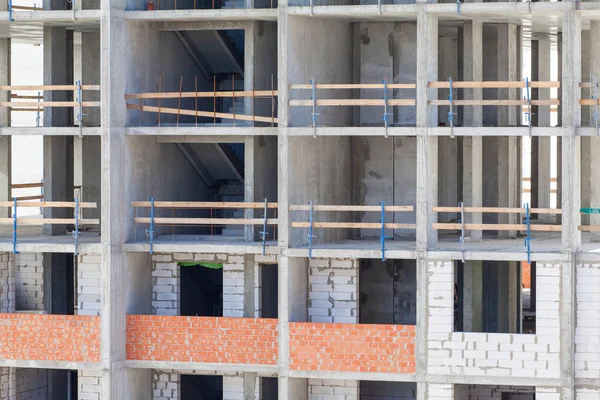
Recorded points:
(200, 264)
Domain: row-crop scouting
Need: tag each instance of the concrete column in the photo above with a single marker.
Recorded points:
(90, 75)
(472, 295)
(5, 141)
(594, 143)
(91, 185)
(427, 146)
(514, 297)
(473, 116)
(58, 179)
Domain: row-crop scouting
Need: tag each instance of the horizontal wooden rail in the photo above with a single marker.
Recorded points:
(350, 208)
(201, 204)
(529, 179)
(49, 204)
(26, 185)
(49, 104)
(205, 221)
(24, 97)
(38, 197)
(494, 102)
(50, 221)
(27, 109)
(353, 102)
(492, 84)
(589, 102)
(499, 210)
(496, 227)
(50, 87)
(355, 86)
(363, 225)
(193, 95)
(27, 8)
(211, 114)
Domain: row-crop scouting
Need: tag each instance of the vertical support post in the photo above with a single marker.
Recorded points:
(314, 107)
(595, 97)
(458, 3)
(451, 111)
(382, 237)
(10, 17)
(462, 230)
(76, 230)
(310, 228)
(196, 88)
(528, 97)
(80, 114)
(14, 237)
(264, 233)
(74, 5)
(528, 237)
(385, 107)
(150, 232)
(179, 100)
(37, 113)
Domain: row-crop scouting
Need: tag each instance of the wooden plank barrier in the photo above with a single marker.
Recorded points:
(28, 221)
(353, 102)
(351, 225)
(38, 106)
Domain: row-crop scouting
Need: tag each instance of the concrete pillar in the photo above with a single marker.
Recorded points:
(594, 143)
(427, 146)
(532, 284)
(5, 141)
(90, 75)
(58, 179)
(514, 297)
(473, 116)
(472, 295)
(91, 185)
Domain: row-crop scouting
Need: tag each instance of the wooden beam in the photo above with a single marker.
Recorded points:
(496, 227)
(201, 204)
(26, 185)
(210, 114)
(363, 225)
(48, 104)
(355, 86)
(23, 198)
(50, 221)
(590, 228)
(350, 208)
(492, 84)
(493, 102)
(353, 102)
(49, 204)
(50, 87)
(498, 210)
(191, 95)
(205, 221)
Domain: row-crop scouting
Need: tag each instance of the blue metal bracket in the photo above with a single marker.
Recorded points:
(458, 3)
(461, 240)
(382, 237)
(310, 228)
(451, 111)
(150, 232)
(528, 98)
(10, 17)
(264, 233)
(385, 107)
(37, 114)
(80, 114)
(14, 241)
(594, 96)
(314, 107)
(528, 237)
(76, 231)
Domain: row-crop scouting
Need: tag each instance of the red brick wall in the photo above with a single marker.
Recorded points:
(50, 337)
(352, 347)
(214, 340)
(526, 274)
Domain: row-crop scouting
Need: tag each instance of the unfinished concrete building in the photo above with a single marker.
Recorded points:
(302, 199)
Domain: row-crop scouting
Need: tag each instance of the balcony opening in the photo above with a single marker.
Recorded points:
(492, 297)
(377, 390)
(41, 383)
(207, 387)
(270, 388)
(388, 292)
(502, 392)
(201, 289)
(269, 305)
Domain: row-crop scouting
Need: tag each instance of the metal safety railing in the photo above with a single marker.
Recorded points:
(151, 220)
(382, 225)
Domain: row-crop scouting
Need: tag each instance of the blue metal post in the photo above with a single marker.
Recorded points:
(385, 106)
(80, 114)
(264, 233)
(528, 104)
(458, 6)
(451, 111)
(76, 231)
(528, 237)
(461, 240)
(310, 228)
(37, 116)
(10, 17)
(14, 241)
(150, 232)
(314, 100)
(382, 237)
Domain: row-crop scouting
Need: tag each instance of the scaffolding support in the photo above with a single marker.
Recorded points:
(595, 97)
(458, 4)
(528, 98)
(461, 240)
(314, 107)
(10, 16)
(14, 236)
(385, 107)
(382, 237)
(150, 232)
(80, 114)
(264, 233)
(76, 230)
(451, 111)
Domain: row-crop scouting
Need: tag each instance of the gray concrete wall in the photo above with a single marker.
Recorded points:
(298, 289)
(315, 164)
(405, 69)
(319, 49)
(138, 284)
(265, 176)
(32, 384)
(265, 66)
(385, 170)
(168, 176)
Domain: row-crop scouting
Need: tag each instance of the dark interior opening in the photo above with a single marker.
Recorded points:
(388, 292)
(269, 290)
(375, 390)
(270, 388)
(201, 289)
(201, 387)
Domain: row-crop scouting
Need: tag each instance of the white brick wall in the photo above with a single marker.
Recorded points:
(493, 354)
(165, 386)
(7, 283)
(333, 290)
(32, 384)
(380, 390)
(547, 393)
(29, 281)
(332, 389)
(587, 339)
(89, 384)
(587, 393)
(233, 286)
(233, 387)
(8, 383)
(89, 284)
(440, 391)
(165, 285)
